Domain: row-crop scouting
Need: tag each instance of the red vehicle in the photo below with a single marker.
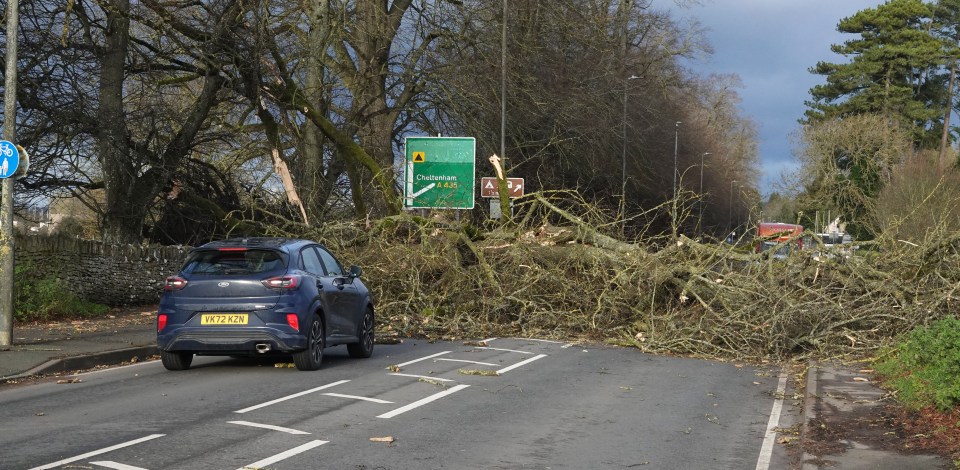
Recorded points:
(776, 235)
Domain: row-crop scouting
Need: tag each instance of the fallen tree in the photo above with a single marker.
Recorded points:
(556, 274)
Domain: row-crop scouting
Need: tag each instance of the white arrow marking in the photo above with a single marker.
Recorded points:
(116, 466)
(268, 426)
(425, 189)
(283, 455)
(60, 463)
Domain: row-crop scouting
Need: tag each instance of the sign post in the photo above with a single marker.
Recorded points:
(439, 172)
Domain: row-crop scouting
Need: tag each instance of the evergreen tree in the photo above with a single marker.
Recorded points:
(896, 70)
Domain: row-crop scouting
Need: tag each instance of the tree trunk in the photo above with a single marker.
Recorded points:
(944, 139)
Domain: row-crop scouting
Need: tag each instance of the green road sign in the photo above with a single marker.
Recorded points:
(439, 172)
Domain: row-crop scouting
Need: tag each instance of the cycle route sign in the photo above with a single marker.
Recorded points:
(9, 159)
(439, 172)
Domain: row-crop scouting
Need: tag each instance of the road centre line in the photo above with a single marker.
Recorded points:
(116, 466)
(268, 426)
(290, 397)
(505, 350)
(766, 450)
(521, 363)
(97, 452)
(375, 400)
(283, 455)
(424, 358)
(423, 401)
(468, 362)
(426, 377)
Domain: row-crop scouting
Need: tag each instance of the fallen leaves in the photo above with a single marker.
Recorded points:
(479, 344)
(387, 439)
(69, 381)
(393, 368)
(283, 365)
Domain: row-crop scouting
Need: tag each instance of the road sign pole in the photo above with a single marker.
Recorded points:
(6, 207)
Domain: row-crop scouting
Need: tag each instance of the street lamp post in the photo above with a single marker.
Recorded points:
(676, 141)
(623, 156)
(730, 217)
(701, 187)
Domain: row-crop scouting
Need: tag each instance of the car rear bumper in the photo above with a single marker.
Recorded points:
(225, 341)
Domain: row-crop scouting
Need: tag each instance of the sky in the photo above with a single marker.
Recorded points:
(771, 44)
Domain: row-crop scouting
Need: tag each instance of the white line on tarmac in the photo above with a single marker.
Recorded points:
(489, 340)
(521, 363)
(97, 452)
(505, 350)
(468, 362)
(766, 450)
(424, 358)
(290, 397)
(283, 455)
(541, 340)
(111, 369)
(422, 377)
(424, 401)
(268, 426)
(375, 400)
(116, 466)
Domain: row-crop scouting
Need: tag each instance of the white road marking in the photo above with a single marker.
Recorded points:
(97, 452)
(541, 340)
(766, 450)
(283, 455)
(424, 401)
(506, 350)
(375, 400)
(489, 340)
(111, 369)
(267, 426)
(565, 346)
(290, 397)
(466, 361)
(424, 358)
(521, 363)
(422, 377)
(116, 466)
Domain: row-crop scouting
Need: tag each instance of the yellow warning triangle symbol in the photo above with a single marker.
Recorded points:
(418, 157)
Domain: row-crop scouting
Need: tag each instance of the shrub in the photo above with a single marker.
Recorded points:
(925, 368)
(41, 297)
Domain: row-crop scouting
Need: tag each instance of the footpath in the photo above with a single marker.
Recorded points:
(125, 335)
(840, 427)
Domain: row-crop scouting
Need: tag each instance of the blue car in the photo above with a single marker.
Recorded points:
(257, 296)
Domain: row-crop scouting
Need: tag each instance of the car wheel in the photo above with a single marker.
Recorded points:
(176, 360)
(310, 358)
(363, 348)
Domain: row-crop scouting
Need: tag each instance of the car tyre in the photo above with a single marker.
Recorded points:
(364, 347)
(176, 360)
(312, 357)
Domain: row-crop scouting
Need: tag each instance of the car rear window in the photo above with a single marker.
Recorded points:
(234, 262)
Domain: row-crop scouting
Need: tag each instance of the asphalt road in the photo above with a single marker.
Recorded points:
(553, 405)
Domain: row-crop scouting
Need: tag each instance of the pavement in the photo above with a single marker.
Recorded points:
(56, 347)
(840, 423)
(838, 395)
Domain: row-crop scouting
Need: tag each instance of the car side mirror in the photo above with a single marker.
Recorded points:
(355, 271)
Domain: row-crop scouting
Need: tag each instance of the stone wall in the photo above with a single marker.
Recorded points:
(115, 275)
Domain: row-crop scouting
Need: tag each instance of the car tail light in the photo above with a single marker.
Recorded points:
(161, 322)
(175, 283)
(232, 249)
(282, 282)
(293, 321)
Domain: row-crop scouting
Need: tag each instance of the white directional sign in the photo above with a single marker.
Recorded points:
(9, 159)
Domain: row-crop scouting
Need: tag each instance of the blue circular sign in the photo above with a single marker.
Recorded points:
(9, 159)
